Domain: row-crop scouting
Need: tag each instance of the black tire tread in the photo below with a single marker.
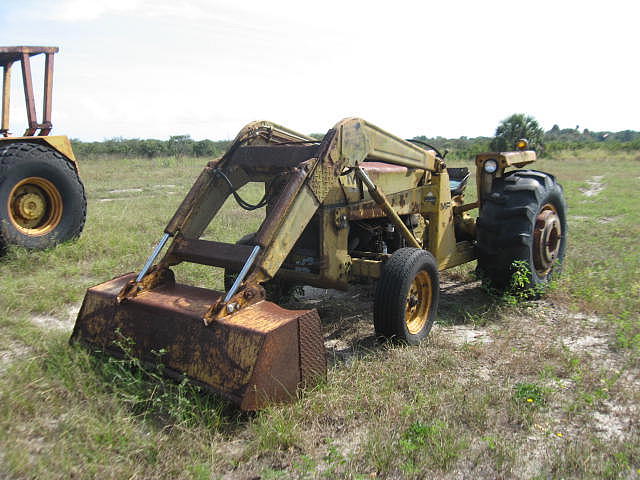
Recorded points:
(505, 225)
(13, 152)
(389, 299)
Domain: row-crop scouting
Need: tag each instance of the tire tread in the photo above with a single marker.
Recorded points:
(505, 225)
(14, 152)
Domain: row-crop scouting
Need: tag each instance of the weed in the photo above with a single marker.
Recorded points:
(525, 402)
(305, 467)
(148, 392)
(272, 474)
(432, 444)
(500, 450)
(529, 394)
(591, 458)
(627, 331)
(520, 287)
(275, 429)
(334, 460)
(200, 471)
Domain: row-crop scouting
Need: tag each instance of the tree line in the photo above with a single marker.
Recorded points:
(511, 129)
(177, 146)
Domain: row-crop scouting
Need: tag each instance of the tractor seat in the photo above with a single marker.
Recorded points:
(458, 178)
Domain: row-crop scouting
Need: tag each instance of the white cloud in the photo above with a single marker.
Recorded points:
(154, 68)
(83, 10)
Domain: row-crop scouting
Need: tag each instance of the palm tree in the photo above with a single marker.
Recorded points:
(514, 128)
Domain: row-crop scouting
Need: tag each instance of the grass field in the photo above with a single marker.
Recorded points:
(544, 389)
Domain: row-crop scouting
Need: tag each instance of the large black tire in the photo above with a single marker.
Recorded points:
(523, 220)
(407, 294)
(42, 200)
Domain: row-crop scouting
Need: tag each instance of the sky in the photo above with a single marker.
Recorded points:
(156, 68)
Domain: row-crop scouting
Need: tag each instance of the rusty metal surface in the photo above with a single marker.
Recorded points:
(281, 209)
(313, 363)
(322, 181)
(405, 202)
(48, 91)
(381, 167)
(13, 54)
(207, 252)
(60, 143)
(253, 357)
(240, 345)
(366, 268)
(28, 95)
(273, 157)
(6, 99)
(362, 140)
(196, 192)
(9, 55)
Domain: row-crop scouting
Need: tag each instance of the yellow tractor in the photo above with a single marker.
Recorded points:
(360, 204)
(42, 200)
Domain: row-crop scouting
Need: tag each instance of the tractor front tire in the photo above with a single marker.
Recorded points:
(42, 200)
(407, 294)
(522, 224)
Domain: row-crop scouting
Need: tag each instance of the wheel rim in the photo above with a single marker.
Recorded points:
(418, 303)
(35, 206)
(547, 238)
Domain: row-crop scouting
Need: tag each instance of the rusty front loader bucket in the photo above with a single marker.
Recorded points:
(258, 355)
(236, 342)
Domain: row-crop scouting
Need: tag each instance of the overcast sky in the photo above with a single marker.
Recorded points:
(155, 68)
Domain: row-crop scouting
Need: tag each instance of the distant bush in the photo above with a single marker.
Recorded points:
(558, 139)
(177, 146)
(463, 148)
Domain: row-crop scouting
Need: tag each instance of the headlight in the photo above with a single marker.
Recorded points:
(490, 166)
(522, 144)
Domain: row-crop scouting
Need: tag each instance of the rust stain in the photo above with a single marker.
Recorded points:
(254, 357)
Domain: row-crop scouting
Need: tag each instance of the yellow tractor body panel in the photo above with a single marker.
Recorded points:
(60, 143)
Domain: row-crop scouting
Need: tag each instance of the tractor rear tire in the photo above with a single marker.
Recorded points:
(522, 223)
(407, 294)
(42, 200)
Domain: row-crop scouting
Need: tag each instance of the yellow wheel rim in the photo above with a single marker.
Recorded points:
(35, 206)
(547, 238)
(418, 303)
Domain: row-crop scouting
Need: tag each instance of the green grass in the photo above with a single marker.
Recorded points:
(440, 410)
(602, 272)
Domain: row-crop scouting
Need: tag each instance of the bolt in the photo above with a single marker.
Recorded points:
(413, 301)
